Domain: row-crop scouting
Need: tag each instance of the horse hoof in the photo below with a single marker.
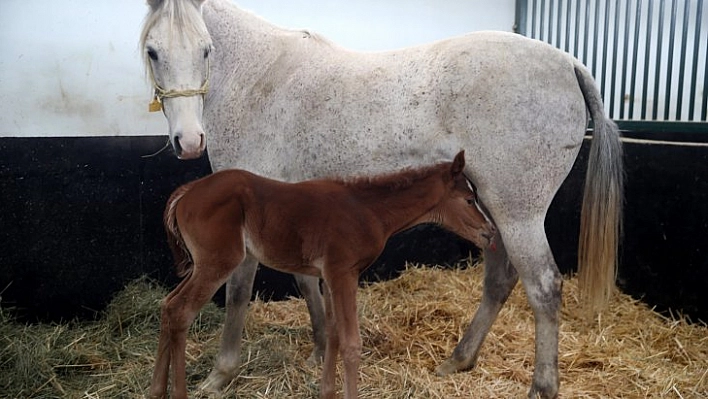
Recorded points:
(447, 368)
(315, 359)
(533, 394)
(215, 382)
(546, 392)
(451, 366)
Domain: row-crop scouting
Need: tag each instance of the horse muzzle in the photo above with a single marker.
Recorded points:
(189, 146)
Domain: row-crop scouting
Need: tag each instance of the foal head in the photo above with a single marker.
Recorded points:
(176, 47)
(459, 211)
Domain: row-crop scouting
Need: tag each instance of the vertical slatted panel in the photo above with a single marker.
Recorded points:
(694, 65)
(635, 60)
(649, 57)
(625, 57)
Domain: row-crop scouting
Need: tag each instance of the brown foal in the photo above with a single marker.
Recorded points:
(332, 228)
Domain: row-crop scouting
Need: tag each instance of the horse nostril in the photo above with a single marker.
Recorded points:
(177, 146)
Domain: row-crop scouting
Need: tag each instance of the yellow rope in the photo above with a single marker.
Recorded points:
(161, 93)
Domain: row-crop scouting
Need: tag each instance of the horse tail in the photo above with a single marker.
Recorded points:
(180, 252)
(601, 214)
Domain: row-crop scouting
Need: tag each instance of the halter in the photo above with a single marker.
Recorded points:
(160, 93)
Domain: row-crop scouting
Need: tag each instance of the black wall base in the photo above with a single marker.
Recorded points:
(82, 216)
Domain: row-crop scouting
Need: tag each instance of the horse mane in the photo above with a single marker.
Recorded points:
(308, 34)
(181, 21)
(397, 180)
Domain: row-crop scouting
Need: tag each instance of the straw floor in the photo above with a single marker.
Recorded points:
(409, 325)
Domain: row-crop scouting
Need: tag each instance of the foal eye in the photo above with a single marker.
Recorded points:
(152, 54)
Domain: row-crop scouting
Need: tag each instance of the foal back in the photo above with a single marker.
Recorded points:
(290, 227)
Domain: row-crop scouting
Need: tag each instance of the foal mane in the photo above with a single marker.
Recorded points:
(181, 21)
(396, 180)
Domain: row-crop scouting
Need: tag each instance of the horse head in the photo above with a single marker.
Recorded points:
(176, 48)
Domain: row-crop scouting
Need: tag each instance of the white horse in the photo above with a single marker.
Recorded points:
(291, 105)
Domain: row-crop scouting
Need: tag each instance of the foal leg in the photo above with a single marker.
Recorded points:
(343, 298)
(160, 376)
(179, 311)
(500, 277)
(238, 295)
(310, 289)
(327, 388)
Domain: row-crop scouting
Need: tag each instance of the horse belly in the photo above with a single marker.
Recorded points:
(519, 112)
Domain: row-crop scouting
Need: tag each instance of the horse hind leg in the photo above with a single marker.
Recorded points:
(310, 289)
(530, 252)
(500, 277)
(238, 294)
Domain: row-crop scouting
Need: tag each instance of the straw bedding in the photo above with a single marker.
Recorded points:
(409, 325)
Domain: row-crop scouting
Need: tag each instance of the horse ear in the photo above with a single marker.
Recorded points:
(154, 4)
(458, 164)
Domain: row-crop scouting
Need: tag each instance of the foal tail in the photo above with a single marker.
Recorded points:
(180, 253)
(601, 215)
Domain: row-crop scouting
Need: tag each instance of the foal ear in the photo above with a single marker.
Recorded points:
(458, 164)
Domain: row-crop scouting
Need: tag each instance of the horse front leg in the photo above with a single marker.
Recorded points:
(500, 277)
(310, 289)
(238, 294)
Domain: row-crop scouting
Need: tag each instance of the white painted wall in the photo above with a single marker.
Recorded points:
(73, 68)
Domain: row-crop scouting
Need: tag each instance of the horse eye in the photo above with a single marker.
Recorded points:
(470, 200)
(152, 54)
(206, 52)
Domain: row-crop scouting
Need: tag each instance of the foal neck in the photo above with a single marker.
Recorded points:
(398, 204)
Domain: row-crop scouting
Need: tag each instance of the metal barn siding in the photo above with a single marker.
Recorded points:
(649, 56)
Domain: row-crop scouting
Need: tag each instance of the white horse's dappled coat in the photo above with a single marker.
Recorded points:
(292, 106)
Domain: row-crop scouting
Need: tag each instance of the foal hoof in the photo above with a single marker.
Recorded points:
(215, 382)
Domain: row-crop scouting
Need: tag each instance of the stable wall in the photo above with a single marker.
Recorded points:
(74, 68)
(82, 216)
